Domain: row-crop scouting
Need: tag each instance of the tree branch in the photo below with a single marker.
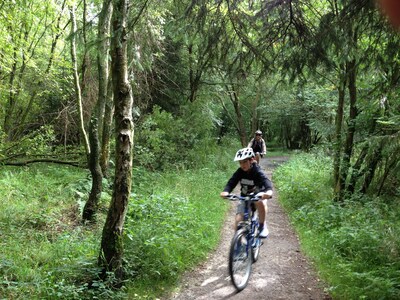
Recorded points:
(55, 161)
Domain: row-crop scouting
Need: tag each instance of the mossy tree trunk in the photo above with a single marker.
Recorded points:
(111, 252)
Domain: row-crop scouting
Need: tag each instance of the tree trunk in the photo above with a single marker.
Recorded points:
(351, 128)
(111, 252)
(338, 181)
(107, 124)
(389, 166)
(78, 92)
(305, 134)
(85, 59)
(254, 106)
(357, 170)
(192, 80)
(240, 123)
(56, 37)
(105, 87)
(371, 168)
(90, 209)
(91, 206)
(11, 100)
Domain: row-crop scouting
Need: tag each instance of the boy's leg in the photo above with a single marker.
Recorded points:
(239, 214)
(261, 211)
(238, 218)
(261, 207)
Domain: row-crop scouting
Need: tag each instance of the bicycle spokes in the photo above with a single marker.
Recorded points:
(240, 261)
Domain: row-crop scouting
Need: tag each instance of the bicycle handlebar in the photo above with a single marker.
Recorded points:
(234, 197)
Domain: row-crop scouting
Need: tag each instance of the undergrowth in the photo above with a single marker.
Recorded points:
(355, 245)
(174, 219)
(173, 228)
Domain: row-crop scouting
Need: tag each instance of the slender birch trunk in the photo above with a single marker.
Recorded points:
(111, 252)
(78, 92)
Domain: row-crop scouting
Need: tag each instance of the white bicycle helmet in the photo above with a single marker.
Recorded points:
(244, 154)
(259, 132)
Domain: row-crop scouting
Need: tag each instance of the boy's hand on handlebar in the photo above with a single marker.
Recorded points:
(224, 194)
(265, 195)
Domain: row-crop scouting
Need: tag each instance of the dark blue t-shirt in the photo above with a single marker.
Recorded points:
(252, 181)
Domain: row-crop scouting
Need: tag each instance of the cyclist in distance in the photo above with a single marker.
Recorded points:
(258, 145)
(252, 180)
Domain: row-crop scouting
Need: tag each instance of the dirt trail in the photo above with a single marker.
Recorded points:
(282, 271)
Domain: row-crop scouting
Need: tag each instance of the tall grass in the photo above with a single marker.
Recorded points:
(41, 240)
(174, 220)
(173, 228)
(355, 245)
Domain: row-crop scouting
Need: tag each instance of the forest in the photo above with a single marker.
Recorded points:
(115, 113)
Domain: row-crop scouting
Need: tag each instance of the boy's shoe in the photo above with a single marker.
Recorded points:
(263, 232)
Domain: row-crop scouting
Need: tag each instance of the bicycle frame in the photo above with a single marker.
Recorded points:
(249, 222)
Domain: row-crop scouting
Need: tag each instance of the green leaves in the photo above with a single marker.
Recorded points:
(355, 244)
(173, 226)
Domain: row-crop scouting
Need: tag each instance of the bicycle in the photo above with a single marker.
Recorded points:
(246, 243)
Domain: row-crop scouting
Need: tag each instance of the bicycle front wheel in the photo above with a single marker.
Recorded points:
(240, 260)
(256, 241)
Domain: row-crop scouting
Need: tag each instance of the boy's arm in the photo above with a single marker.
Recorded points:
(264, 148)
(265, 182)
(250, 145)
(232, 182)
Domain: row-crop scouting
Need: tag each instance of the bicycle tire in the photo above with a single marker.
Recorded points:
(240, 260)
(255, 249)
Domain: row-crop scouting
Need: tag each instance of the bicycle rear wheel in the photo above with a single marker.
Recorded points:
(240, 260)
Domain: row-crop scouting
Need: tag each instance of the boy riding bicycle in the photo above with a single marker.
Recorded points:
(252, 180)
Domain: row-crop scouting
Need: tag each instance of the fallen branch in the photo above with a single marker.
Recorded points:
(27, 162)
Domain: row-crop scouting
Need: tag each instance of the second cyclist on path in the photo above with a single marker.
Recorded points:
(258, 145)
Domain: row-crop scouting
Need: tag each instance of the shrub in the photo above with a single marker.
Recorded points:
(304, 180)
(163, 140)
(355, 244)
